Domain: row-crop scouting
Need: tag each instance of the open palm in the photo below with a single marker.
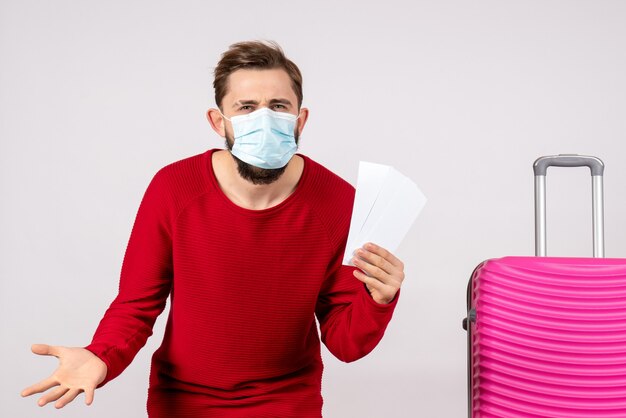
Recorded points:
(79, 371)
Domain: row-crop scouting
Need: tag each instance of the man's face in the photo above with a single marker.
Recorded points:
(249, 90)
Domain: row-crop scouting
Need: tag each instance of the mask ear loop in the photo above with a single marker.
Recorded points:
(224, 116)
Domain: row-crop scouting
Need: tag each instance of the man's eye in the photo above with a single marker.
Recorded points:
(279, 106)
(245, 107)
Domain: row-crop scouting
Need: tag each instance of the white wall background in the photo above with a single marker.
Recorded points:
(461, 96)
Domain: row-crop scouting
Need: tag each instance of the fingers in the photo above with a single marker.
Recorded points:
(371, 282)
(52, 395)
(45, 350)
(69, 396)
(371, 270)
(381, 271)
(89, 393)
(65, 384)
(379, 291)
(383, 253)
(42, 349)
(40, 387)
(379, 263)
(62, 393)
(372, 264)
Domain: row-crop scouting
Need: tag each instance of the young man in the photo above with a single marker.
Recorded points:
(248, 243)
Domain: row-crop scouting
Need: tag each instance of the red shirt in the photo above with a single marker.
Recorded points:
(245, 287)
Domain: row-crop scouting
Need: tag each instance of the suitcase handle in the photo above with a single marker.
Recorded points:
(568, 160)
(596, 166)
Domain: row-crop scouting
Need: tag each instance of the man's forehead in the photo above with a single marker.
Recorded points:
(260, 85)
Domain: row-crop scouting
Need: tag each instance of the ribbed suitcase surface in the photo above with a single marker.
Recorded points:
(549, 338)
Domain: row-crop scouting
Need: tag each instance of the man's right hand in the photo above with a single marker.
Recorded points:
(79, 371)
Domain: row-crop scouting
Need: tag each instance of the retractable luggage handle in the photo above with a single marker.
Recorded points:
(540, 168)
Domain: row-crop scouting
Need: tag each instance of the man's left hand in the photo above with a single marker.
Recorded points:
(382, 272)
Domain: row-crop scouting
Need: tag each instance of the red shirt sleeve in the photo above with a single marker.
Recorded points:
(145, 282)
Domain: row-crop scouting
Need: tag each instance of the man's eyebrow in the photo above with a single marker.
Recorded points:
(245, 102)
(280, 101)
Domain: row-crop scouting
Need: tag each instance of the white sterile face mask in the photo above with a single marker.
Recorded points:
(264, 138)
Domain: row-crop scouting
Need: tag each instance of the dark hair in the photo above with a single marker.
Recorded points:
(256, 55)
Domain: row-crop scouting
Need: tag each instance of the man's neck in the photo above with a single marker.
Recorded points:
(247, 195)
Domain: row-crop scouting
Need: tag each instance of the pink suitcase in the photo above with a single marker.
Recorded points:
(547, 335)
